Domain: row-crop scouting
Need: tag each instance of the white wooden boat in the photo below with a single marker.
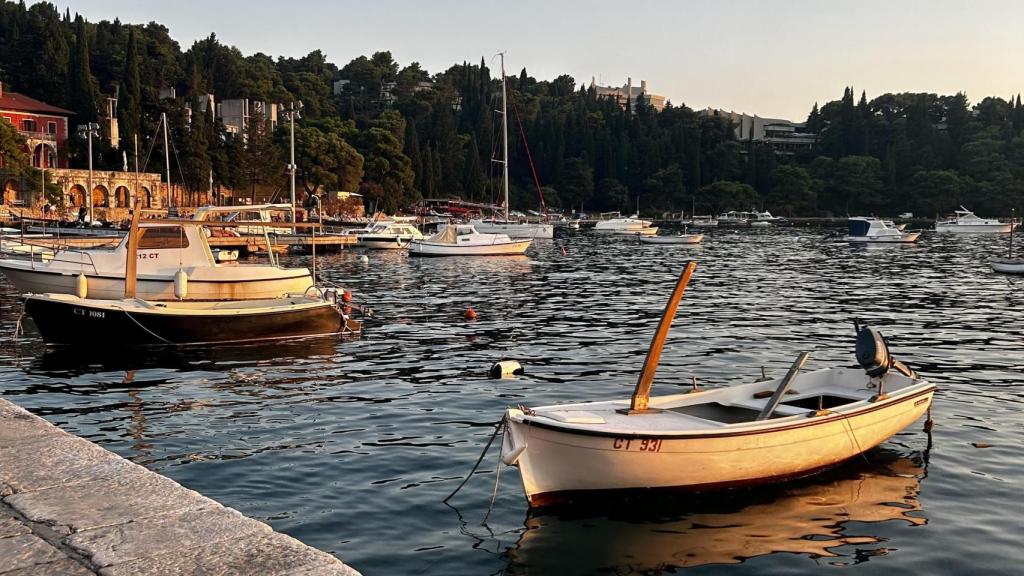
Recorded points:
(387, 236)
(677, 239)
(464, 240)
(966, 221)
(868, 230)
(742, 435)
(174, 262)
(628, 226)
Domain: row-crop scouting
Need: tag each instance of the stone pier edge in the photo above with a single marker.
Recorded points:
(68, 506)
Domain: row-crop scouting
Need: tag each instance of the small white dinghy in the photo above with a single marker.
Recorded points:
(1008, 265)
(677, 239)
(742, 435)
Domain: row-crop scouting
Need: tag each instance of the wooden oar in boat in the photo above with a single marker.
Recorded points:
(642, 392)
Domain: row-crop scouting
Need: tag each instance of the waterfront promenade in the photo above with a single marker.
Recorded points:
(71, 507)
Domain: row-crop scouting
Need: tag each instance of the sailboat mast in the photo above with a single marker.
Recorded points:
(504, 136)
(167, 160)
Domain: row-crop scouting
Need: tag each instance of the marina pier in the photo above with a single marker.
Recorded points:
(71, 507)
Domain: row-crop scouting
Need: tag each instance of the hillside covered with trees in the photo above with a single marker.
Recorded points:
(398, 133)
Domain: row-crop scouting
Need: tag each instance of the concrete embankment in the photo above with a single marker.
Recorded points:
(71, 507)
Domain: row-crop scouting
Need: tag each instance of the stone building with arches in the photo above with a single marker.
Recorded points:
(110, 199)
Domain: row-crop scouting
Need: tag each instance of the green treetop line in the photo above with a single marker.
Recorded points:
(398, 134)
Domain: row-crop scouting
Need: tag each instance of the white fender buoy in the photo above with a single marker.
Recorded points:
(506, 369)
(364, 259)
(81, 285)
(180, 284)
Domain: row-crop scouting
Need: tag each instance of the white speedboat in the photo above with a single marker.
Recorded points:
(464, 240)
(734, 218)
(760, 432)
(387, 236)
(966, 221)
(174, 263)
(630, 226)
(677, 239)
(875, 230)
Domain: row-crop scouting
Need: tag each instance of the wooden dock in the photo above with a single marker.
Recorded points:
(71, 507)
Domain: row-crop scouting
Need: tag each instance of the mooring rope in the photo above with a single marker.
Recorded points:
(154, 334)
(498, 426)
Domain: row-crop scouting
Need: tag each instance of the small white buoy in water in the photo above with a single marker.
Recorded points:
(180, 284)
(506, 369)
(81, 285)
(364, 259)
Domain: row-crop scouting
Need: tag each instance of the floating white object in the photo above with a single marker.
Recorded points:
(180, 284)
(364, 259)
(81, 285)
(506, 369)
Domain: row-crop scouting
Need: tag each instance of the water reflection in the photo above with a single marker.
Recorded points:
(660, 534)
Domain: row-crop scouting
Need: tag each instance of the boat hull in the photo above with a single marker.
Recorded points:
(1001, 228)
(111, 287)
(383, 242)
(515, 248)
(514, 230)
(88, 322)
(1008, 266)
(681, 239)
(903, 238)
(557, 465)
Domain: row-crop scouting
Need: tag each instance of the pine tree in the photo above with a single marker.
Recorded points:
(412, 150)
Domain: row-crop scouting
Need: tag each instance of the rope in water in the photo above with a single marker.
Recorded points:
(498, 426)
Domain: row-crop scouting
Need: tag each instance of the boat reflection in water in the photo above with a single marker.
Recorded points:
(664, 532)
(71, 361)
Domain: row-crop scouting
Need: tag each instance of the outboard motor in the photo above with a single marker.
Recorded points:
(873, 354)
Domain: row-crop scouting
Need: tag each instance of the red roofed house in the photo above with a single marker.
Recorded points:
(45, 127)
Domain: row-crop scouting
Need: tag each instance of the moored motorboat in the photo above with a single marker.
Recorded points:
(677, 239)
(387, 236)
(876, 230)
(514, 229)
(464, 240)
(70, 320)
(753, 433)
(964, 220)
(626, 226)
(169, 252)
(65, 320)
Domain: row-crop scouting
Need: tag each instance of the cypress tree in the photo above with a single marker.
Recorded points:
(131, 109)
(472, 180)
(84, 94)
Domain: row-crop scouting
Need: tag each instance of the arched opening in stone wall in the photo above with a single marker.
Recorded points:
(122, 197)
(100, 196)
(12, 193)
(147, 197)
(76, 196)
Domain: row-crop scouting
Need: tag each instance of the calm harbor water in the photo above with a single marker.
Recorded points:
(350, 446)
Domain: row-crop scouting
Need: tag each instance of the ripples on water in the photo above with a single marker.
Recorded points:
(351, 445)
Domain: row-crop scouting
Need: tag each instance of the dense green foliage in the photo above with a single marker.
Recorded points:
(398, 134)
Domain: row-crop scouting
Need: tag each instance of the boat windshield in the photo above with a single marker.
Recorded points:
(859, 227)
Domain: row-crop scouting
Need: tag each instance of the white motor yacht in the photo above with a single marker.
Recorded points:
(966, 221)
(464, 240)
(387, 236)
(875, 230)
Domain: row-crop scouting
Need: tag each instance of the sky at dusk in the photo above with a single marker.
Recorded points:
(770, 58)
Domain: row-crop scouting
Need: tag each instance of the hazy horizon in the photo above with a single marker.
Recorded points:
(769, 59)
